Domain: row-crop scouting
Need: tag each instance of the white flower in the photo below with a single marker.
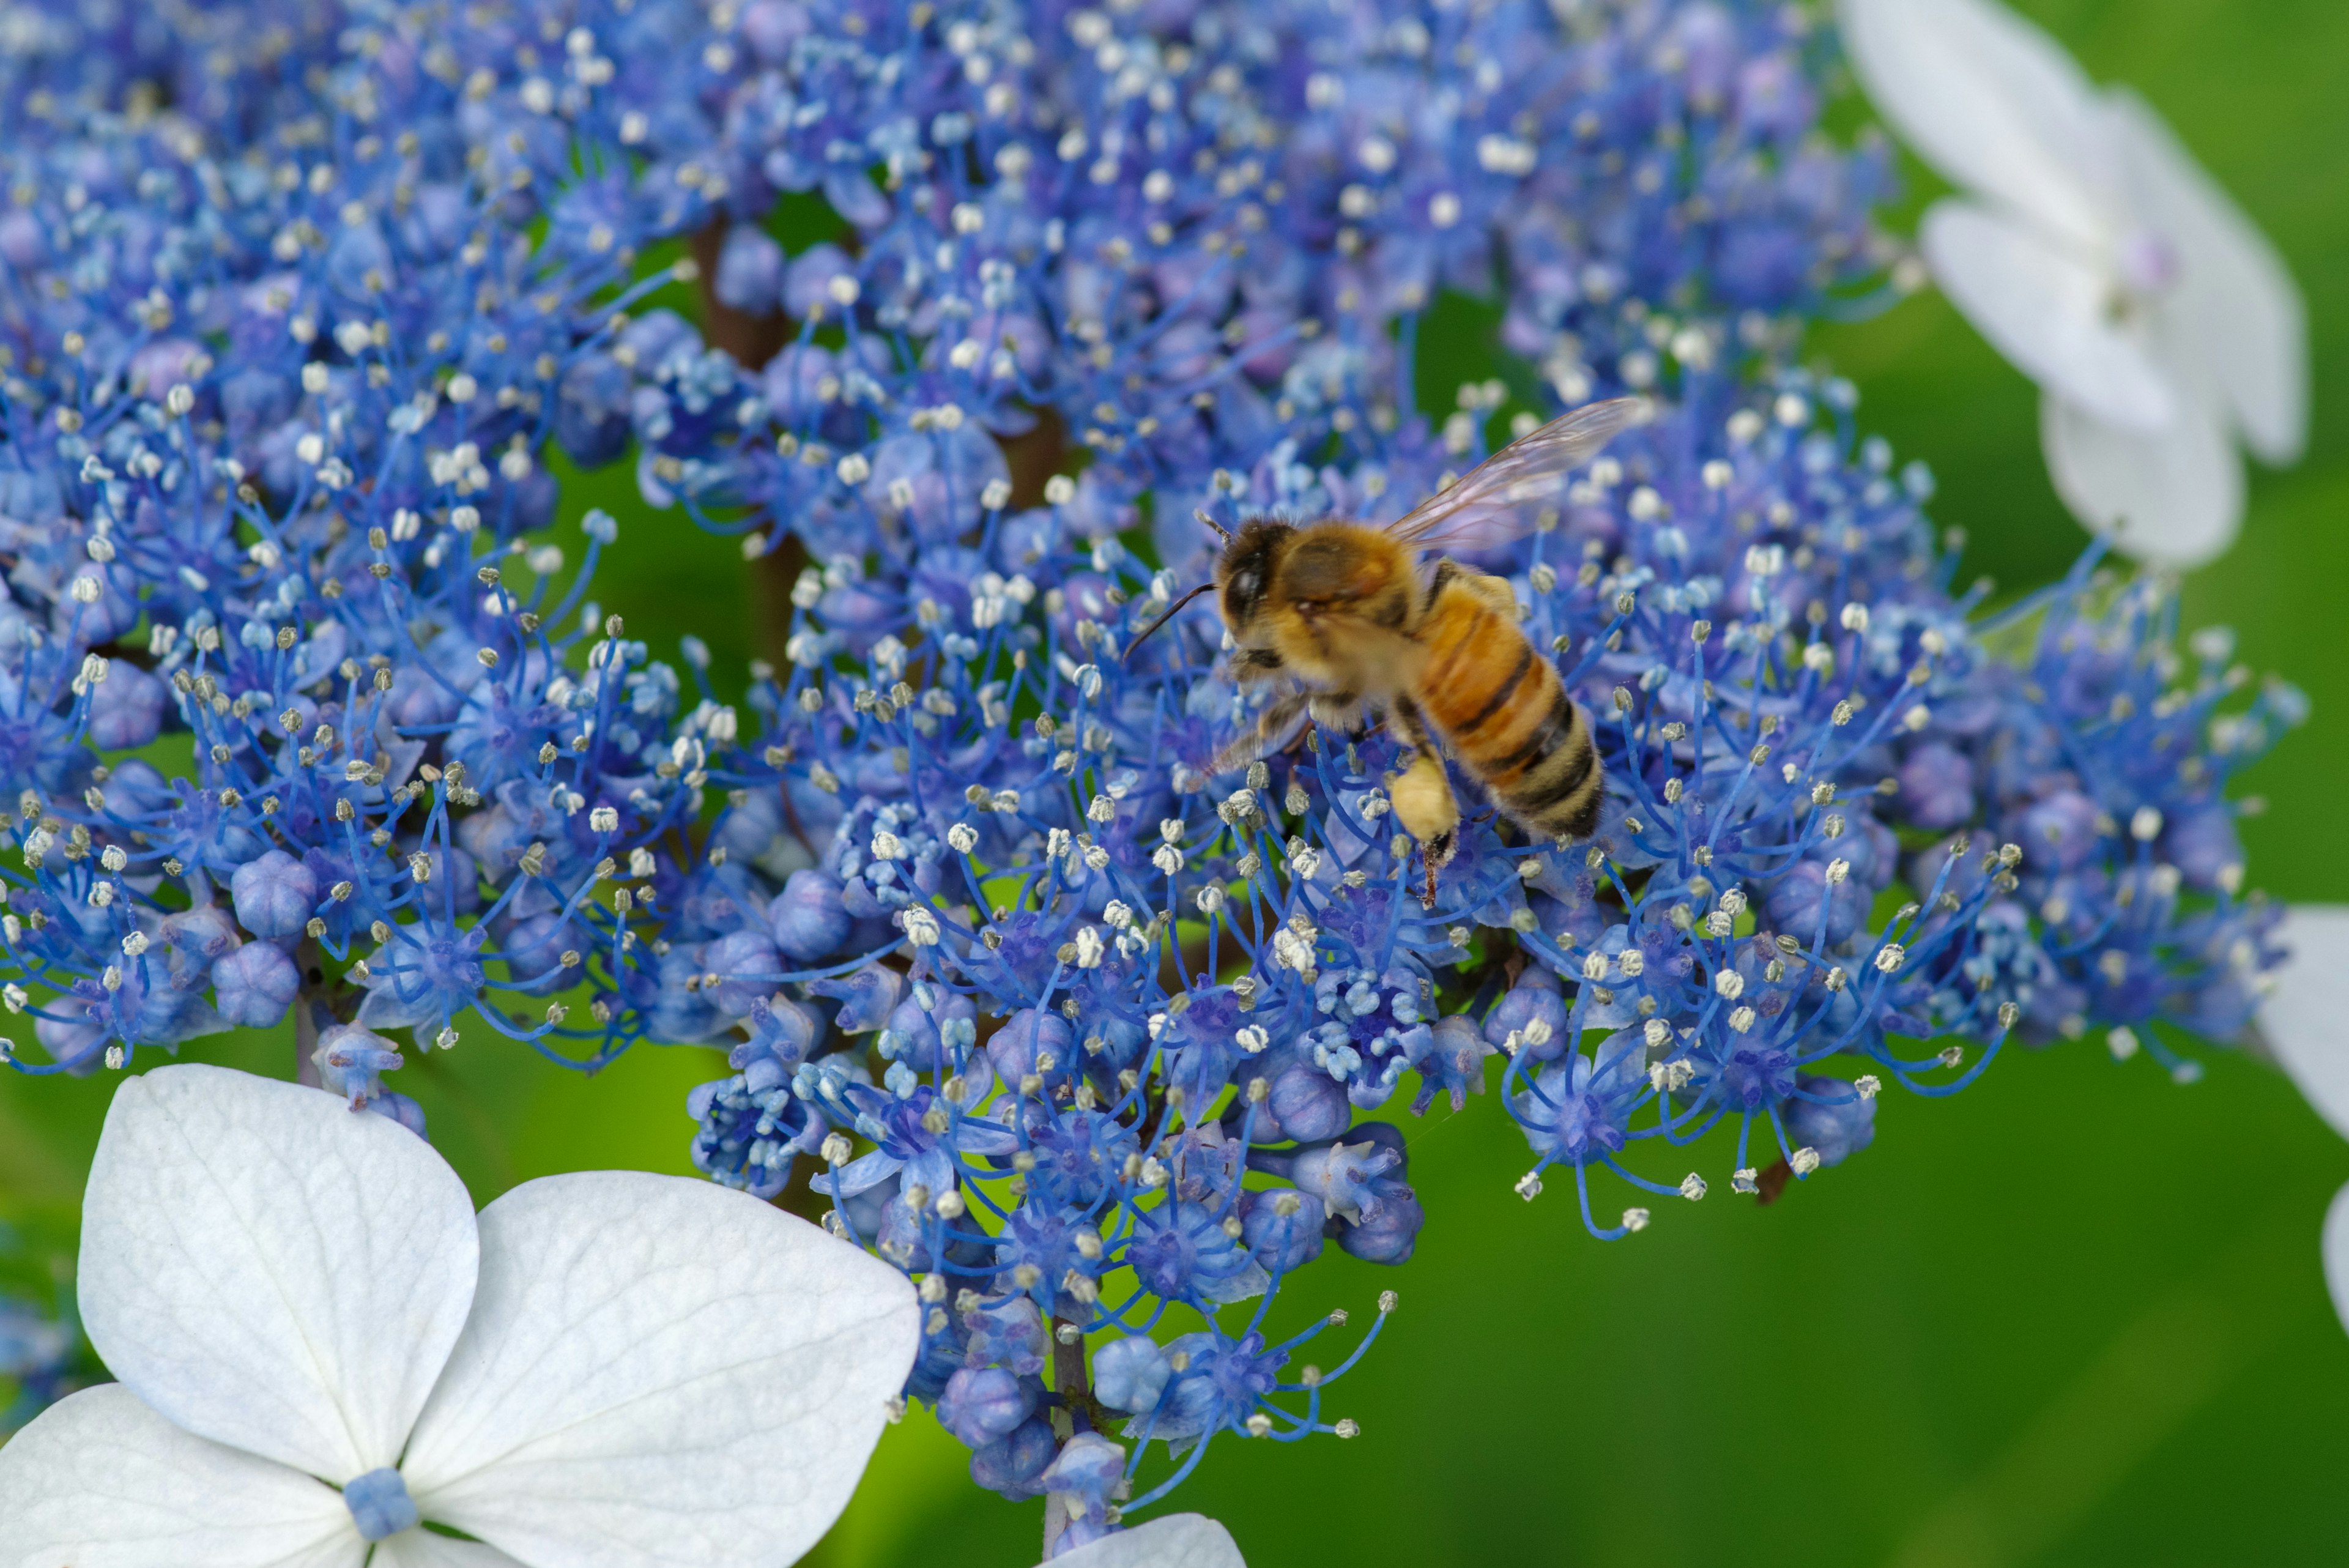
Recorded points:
(612, 1368)
(1177, 1540)
(2306, 1022)
(2093, 251)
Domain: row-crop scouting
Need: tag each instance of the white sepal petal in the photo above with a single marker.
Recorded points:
(99, 1481)
(2047, 309)
(2335, 1248)
(1994, 104)
(2305, 1020)
(2174, 497)
(2240, 314)
(271, 1270)
(659, 1371)
(423, 1549)
(1177, 1540)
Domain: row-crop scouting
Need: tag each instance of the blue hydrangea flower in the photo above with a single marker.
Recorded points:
(1033, 989)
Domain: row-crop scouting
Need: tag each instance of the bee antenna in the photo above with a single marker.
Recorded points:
(1221, 532)
(1173, 611)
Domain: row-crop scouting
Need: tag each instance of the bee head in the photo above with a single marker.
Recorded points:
(1246, 568)
(1241, 573)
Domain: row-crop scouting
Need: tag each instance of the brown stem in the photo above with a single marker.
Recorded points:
(751, 339)
(1034, 457)
(770, 580)
(310, 1006)
(1772, 1182)
(1076, 1396)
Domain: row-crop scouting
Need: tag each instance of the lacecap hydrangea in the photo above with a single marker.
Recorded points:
(1018, 991)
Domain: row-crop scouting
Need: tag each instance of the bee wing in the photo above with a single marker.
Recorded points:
(1498, 500)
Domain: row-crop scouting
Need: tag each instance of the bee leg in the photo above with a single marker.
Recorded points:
(1340, 712)
(1436, 853)
(1281, 723)
(1421, 795)
(1425, 806)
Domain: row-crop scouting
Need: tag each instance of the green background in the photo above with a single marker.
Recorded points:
(2074, 1316)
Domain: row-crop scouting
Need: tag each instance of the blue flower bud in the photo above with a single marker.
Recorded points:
(808, 280)
(2060, 832)
(274, 895)
(1453, 1064)
(1348, 1177)
(1087, 1473)
(2204, 847)
(202, 933)
(1799, 900)
(1388, 1235)
(1937, 786)
(748, 969)
(1014, 1464)
(1032, 1043)
(808, 919)
(772, 26)
(1838, 1124)
(351, 1060)
(1534, 999)
(795, 380)
(1307, 1105)
(1008, 1333)
(1130, 1374)
(399, 1108)
(867, 997)
(918, 1037)
(749, 271)
(982, 1404)
(72, 1041)
(126, 709)
(783, 1035)
(255, 985)
(1282, 1227)
(533, 948)
(591, 409)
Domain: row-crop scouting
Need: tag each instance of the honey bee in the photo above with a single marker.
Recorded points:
(1342, 613)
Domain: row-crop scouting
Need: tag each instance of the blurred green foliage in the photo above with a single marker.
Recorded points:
(2074, 1316)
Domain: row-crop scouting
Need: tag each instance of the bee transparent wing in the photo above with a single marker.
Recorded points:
(1499, 499)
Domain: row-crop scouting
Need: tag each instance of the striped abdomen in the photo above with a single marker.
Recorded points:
(1506, 713)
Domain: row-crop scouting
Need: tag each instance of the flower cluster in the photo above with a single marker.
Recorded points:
(1037, 1003)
